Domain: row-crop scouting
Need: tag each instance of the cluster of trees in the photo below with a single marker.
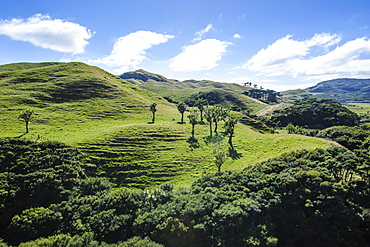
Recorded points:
(303, 198)
(212, 114)
(266, 95)
(315, 113)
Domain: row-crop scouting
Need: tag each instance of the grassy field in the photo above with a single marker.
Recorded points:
(359, 108)
(108, 119)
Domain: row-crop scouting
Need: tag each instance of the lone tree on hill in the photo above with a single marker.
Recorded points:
(229, 127)
(181, 107)
(26, 116)
(220, 157)
(193, 119)
(153, 109)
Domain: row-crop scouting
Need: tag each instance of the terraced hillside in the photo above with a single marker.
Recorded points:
(108, 119)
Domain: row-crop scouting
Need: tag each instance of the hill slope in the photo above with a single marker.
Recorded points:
(342, 90)
(186, 91)
(107, 118)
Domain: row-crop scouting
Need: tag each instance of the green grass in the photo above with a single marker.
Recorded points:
(108, 119)
(359, 108)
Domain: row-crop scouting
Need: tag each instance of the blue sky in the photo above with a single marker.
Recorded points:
(277, 44)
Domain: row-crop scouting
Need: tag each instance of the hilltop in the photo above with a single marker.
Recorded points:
(343, 90)
(228, 94)
(108, 119)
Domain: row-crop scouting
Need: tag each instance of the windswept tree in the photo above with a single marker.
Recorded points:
(229, 127)
(193, 120)
(220, 113)
(26, 116)
(208, 115)
(201, 103)
(153, 109)
(181, 107)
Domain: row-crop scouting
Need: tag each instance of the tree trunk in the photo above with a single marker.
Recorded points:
(231, 141)
(153, 118)
(182, 117)
(192, 131)
(26, 127)
(210, 128)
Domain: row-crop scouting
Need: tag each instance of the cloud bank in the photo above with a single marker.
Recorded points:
(297, 59)
(201, 56)
(42, 31)
(130, 50)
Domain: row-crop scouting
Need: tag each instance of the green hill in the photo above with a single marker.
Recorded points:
(107, 118)
(227, 94)
(343, 90)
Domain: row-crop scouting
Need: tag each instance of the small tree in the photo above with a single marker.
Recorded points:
(193, 119)
(220, 113)
(220, 157)
(181, 107)
(229, 127)
(153, 109)
(208, 115)
(26, 116)
(201, 103)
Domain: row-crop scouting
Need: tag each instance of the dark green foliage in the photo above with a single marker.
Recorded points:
(350, 137)
(303, 198)
(299, 199)
(316, 113)
(35, 175)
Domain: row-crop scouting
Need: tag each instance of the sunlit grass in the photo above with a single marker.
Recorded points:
(114, 129)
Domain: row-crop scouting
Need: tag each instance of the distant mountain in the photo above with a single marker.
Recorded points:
(186, 91)
(343, 90)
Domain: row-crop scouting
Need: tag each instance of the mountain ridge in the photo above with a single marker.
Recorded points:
(343, 90)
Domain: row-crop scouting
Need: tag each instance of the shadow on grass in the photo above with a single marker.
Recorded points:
(213, 139)
(181, 122)
(234, 154)
(193, 142)
(21, 135)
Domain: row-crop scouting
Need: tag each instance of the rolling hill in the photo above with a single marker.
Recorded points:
(175, 91)
(108, 119)
(343, 90)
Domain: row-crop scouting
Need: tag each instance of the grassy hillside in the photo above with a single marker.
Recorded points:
(107, 118)
(185, 91)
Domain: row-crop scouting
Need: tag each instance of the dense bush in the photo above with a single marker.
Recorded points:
(315, 113)
(303, 198)
(34, 175)
(306, 198)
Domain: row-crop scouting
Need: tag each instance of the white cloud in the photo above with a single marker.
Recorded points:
(295, 58)
(237, 36)
(129, 51)
(201, 56)
(200, 33)
(55, 34)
